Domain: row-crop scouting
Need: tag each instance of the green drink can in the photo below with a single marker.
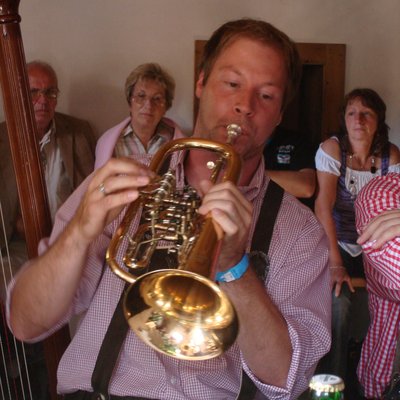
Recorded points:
(326, 387)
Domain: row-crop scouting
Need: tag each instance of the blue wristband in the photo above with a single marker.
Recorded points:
(235, 272)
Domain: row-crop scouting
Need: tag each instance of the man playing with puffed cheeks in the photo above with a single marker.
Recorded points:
(250, 71)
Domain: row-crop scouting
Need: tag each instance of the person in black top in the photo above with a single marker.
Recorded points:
(289, 161)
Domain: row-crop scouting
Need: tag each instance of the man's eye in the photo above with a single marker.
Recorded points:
(266, 96)
(232, 84)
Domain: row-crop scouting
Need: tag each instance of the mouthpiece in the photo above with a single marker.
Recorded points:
(233, 130)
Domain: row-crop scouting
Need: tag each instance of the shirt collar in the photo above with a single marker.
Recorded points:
(47, 136)
(163, 131)
(257, 183)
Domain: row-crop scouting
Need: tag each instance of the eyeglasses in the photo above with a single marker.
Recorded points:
(50, 93)
(141, 98)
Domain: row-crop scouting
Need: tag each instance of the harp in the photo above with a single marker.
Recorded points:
(25, 155)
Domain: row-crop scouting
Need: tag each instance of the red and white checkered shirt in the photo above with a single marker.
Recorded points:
(298, 283)
(382, 270)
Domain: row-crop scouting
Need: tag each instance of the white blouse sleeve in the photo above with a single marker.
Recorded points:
(394, 168)
(326, 163)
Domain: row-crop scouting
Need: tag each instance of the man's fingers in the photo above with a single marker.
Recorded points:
(135, 174)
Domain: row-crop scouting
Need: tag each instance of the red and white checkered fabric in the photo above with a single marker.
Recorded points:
(382, 270)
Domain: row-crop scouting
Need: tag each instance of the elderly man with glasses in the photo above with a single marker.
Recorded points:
(66, 145)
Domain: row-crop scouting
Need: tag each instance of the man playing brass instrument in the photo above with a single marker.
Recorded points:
(249, 73)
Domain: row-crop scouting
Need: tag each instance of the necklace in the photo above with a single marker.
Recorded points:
(353, 179)
(373, 168)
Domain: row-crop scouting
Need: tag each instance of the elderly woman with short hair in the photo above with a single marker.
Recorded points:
(149, 91)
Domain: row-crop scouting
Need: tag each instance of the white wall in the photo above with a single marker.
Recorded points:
(94, 44)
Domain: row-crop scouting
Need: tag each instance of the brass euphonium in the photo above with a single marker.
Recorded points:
(179, 312)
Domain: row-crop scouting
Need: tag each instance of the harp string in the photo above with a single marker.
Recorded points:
(13, 352)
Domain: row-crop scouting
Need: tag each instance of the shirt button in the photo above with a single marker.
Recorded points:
(173, 380)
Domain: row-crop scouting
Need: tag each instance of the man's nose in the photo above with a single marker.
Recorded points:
(245, 103)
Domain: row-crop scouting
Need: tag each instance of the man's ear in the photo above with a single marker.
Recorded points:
(199, 84)
(280, 118)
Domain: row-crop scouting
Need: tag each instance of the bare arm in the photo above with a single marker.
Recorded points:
(324, 203)
(394, 155)
(234, 214)
(44, 290)
(33, 310)
(258, 348)
(298, 183)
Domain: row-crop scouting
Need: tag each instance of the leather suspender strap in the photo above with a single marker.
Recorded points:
(259, 257)
(109, 352)
(115, 336)
(266, 220)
